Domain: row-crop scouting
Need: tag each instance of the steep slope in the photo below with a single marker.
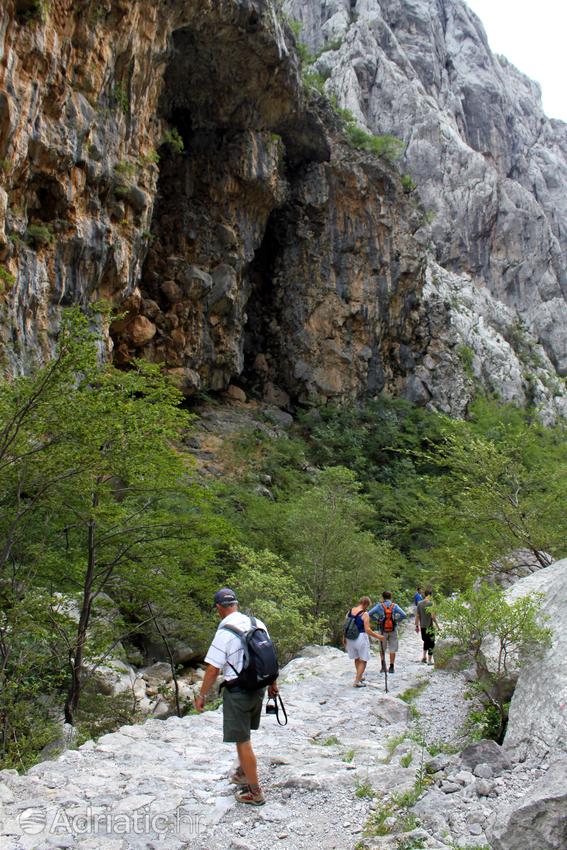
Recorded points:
(489, 165)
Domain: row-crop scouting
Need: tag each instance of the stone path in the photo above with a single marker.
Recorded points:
(164, 784)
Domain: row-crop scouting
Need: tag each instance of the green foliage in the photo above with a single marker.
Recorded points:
(7, 279)
(466, 357)
(412, 693)
(151, 157)
(451, 496)
(121, 96)
(39, 235)
(406, 760)
(387, 147)
(268, 590)
(349, 756)
(485, 614)
(364, 790)
(408, 184)
(93, 501)
(126, 169)
(172, 138)
(314, 80)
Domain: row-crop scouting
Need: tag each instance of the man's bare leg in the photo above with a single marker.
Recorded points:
(247, 759)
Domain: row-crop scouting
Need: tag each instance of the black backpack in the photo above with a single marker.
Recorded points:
(260, 663)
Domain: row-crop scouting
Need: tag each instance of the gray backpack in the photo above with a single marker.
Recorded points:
(350, 629)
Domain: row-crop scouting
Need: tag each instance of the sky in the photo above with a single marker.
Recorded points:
(532, 36)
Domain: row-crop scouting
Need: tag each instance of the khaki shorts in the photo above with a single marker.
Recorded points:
(241, 712)
(390, 642)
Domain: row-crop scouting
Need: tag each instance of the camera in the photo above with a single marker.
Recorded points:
(271, 707)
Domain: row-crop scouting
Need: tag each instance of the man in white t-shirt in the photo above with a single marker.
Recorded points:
(241, 709)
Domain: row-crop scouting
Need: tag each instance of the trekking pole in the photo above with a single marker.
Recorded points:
(383, 657)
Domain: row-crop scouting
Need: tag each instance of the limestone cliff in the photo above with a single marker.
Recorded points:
(168, 158)
(490, 167)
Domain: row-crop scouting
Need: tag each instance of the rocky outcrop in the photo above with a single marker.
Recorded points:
(490, 168)
(537, 723)
(539, 819)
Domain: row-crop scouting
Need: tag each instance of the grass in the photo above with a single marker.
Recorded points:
(364, 790)
(349, 756)
(392, 744)
(406, 760)
(412, 693)
(331, 742)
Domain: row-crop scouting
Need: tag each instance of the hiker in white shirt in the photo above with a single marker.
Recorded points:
(241, 708)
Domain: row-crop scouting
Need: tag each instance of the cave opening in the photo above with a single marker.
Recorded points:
(263, 373)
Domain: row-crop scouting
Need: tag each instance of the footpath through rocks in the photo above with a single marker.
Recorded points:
(329, 776)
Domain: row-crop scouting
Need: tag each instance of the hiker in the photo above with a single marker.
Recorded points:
(359, 648)
(241, 707)
(426, 621)
(417, 597)
(388, 614)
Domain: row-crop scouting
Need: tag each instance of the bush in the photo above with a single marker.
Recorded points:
(266, 589)
(39, 235)
(484, 614)
(7, 279)
(121, 96)
(173, 139)
(408, 184)
(388, 147)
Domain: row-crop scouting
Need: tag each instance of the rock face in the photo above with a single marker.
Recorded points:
(173, 163)
(537, 721)
(489, 166)
(539, 820)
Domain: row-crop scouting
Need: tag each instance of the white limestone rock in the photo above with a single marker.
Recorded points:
(537, 820)
(490, 167)
(537, 723)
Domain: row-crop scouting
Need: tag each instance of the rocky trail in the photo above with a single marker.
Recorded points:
(164, 784)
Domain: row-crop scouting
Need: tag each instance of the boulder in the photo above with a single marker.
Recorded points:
(486, 753)
(114, 678)
(539, 820)
(537, 722)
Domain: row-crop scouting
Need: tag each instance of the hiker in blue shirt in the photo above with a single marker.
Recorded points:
(388, 614)
(417, 597)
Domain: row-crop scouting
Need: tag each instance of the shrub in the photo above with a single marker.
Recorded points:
(7, 280)
(39, 235)
(121, 96)
(388, 147)
(466, 356)
(173, 139)
(408, 184)
(484, 614)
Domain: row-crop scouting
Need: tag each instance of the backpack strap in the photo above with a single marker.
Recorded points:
(241, 635)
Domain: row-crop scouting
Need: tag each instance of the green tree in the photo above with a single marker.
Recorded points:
(497, 634)
(328, 548)
(88, 460)
(266, 589)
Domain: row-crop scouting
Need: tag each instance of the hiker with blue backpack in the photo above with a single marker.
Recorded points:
(244, 653)
(388, 615)
(357, 633)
